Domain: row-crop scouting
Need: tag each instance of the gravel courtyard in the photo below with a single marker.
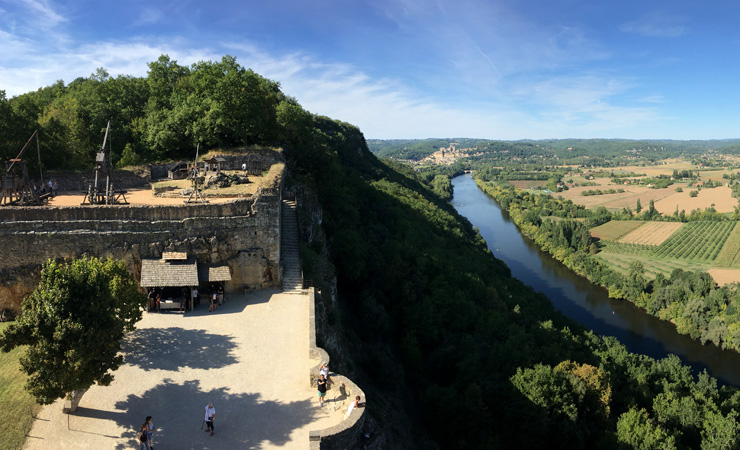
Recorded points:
(250, 358)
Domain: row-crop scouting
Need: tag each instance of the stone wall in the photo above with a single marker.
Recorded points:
(80, 181)
(244, 233)
(341, 392)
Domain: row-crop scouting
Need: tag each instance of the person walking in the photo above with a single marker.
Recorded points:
(321, 383)
(143, 438)
(210, 417)
(150, 431)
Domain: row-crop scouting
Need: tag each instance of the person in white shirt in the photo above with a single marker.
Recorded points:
(352, 406)
(210, 417)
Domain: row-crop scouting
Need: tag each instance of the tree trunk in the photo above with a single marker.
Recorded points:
(72, 400)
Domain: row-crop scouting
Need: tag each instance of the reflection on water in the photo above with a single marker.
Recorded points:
(580, 300)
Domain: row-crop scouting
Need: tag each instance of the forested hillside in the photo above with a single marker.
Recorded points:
(438, 332)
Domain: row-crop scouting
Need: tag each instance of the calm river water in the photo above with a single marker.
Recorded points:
(580, 300)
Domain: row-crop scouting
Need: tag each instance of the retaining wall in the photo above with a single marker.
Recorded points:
(244, 233)
(341, 392)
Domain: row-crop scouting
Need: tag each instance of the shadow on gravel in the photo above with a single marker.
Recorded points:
(242, 420)
(176, 348)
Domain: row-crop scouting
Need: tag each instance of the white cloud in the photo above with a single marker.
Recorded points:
(656, 24)
(41, 10)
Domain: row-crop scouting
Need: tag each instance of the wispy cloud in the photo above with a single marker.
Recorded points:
(43, 11)
(656, 24)
(149, 16)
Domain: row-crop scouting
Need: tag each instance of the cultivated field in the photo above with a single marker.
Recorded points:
(725, 276)
(528, 184)
(729, 256)
(615, 229)
(700, 241)
(719, 197)
(621, 263)
(651, 233)
(664, 246)
(627, 199)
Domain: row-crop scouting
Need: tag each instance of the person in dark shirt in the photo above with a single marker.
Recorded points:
(321, 383)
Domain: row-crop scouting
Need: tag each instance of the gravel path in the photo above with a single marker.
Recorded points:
(250, 358)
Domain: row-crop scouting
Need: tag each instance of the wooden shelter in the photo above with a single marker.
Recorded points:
(216, 163)
(175, 271)
(170, 275)
(178, 171)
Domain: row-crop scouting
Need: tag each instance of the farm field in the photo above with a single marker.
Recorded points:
(694, 246)
(651, 233)
(725, 276)
(621, 263)
(615, 229)
(696, 241)
(729, 256)
(720, 197)
(528, 184)
(627, 199)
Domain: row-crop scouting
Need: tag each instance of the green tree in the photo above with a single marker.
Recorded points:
(638, 208)
(635, 429)
(73, 323)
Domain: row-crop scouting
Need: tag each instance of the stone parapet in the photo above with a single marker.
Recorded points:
(342, 391)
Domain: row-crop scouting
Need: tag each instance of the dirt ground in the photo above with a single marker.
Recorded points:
(725, 276)
(721, 197)
(617, 201)
(134, 197)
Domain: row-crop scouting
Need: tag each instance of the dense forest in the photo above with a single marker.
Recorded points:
(451, 351)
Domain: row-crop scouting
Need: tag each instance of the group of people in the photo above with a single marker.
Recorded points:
(146, 431)
(51, 186)
(323, 383)
(216, 297)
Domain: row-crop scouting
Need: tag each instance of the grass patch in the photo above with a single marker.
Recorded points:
(15, 403)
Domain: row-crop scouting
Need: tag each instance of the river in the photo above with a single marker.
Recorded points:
(578, 298)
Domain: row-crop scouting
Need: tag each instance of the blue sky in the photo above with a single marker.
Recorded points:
(511, 69)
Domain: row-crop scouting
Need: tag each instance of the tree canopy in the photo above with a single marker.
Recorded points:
(73, 323)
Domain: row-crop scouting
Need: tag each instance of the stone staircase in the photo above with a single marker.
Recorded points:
(290, 249)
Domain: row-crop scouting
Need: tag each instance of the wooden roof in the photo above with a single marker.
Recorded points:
(210, 273)
(161, 273)
(178, 165)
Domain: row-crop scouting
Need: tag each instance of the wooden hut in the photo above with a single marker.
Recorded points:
(178, 171)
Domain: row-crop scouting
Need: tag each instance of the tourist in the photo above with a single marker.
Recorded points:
(221, 297)
(321, 383)
(244, 168)
(55, 187)
(214, 300)
(196, 297)
(152, 300)
(324, 370)
(150, 431)
(352, 406)
(210, 416)
(143, 438)
(184, 299)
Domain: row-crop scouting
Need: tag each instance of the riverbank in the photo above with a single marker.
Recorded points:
(579, 299)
